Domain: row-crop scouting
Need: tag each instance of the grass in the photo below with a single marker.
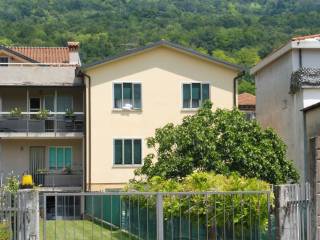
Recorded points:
(79, 230)
(4, 231)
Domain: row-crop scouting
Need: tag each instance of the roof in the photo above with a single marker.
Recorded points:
(44, 54)
(246, 99)
(311, 107)
(164, 43)
(307, 41)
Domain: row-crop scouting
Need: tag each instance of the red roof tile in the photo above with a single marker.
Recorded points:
(44, 54)
(305, 37)
(246, 99)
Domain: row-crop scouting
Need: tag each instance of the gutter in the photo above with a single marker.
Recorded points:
(240, 75)
(88, 146)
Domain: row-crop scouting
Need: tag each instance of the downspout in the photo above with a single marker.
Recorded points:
(88, 146)
(240, 75)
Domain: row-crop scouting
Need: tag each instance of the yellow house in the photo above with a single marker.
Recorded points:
(130, 95)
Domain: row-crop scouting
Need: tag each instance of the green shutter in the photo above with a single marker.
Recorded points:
(127, 151)
(137, 151)
(118, 151)
(127, 91)
(68, 157)
(205, 92)
(60, 157)
(137, 96)
(117, 95)
(186, 95)
(52, 158)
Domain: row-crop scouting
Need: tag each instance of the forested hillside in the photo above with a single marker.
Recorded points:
(240, 31)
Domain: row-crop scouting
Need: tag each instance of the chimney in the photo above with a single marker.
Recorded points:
(74, 57)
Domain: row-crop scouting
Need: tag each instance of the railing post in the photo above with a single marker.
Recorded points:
(159, 216)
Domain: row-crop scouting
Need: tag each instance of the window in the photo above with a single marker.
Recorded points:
(49, 103)
(127, 151)
(127, 95)
(60, 157)
(4, 60)
(194, 94)
(64, 103)
(35, 104)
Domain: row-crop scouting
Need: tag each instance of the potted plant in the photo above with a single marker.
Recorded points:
(67, 170)
(43, 114)
(15, 113)
(69, 114)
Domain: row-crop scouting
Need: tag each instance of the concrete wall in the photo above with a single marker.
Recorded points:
(161, 72)
(14, 153)
(35, 75)
(280, 110)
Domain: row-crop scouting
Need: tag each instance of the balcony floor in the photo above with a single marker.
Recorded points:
(43, 135)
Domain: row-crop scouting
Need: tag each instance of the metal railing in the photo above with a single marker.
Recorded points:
(30, 122)
(138, 215)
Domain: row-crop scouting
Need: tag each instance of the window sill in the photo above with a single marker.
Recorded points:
(127, 166)
(126, 110)
(189, 109)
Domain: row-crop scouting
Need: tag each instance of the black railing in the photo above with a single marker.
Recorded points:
(33, 124)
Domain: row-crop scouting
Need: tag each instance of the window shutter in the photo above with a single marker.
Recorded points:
(60, 157)
(127, 151)
(117, 91)
(68, 157)
(118, 151)
(186, 95)
(137, 96)
(52, 158)
(137, 151)
(205, 92)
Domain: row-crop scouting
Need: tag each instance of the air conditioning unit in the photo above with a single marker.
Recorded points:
(127, 106)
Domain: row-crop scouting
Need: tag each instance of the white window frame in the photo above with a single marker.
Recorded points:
(56, 164)
(122, 82)
(114, 153)
(190, 83)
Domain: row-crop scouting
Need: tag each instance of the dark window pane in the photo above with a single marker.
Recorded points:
(205, 92)
(196, 91)
(34, 104)
(4, 60)
(118, 151)
(186, 95)
(64, 103)
(127, 91)
(117, 95)
(137, 151)
(128, 151)
(137, 95)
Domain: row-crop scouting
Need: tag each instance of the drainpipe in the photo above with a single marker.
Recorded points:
(240, 75)
(88, 146)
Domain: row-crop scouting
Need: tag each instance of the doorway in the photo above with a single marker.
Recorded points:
(37, 162)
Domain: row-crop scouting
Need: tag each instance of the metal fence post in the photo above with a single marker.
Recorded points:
(159, 216)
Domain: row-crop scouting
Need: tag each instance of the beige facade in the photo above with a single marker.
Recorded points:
(161, 71)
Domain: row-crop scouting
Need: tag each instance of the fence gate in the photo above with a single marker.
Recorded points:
(294, 212)
(19, 215)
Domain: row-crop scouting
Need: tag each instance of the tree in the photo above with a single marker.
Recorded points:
(222, 141)
(246, 86)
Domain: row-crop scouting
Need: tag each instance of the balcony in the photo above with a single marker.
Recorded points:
(41, 112)
(28, 124)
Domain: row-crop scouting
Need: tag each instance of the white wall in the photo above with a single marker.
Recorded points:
(280, 110)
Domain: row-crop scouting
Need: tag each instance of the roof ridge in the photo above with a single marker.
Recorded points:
(33, 47)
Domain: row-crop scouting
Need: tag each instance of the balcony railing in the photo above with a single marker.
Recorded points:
(29, 122)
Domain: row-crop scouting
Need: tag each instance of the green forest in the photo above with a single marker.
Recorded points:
(239, 31)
